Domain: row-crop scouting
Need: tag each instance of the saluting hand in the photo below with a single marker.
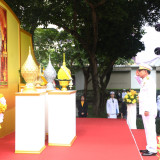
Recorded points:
(137, 73)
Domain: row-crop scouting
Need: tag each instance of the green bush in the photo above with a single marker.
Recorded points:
(140, 124)
(158, 126)
(92, 115)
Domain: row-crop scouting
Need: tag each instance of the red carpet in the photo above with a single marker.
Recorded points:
(97, 139)
(139, 135)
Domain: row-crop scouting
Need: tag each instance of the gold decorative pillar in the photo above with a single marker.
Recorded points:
(39, 79)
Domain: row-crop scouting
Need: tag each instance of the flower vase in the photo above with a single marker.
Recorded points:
(132, 115)
(50, 75)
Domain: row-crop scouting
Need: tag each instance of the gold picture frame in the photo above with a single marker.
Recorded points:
(3, 48)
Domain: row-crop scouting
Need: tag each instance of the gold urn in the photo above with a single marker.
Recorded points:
(39, 80)
(64, 75)
(29, 72)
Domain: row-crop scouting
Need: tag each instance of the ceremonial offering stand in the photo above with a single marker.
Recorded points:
(30, 123)
(61, 118)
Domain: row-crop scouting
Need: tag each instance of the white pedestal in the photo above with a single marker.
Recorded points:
(46, 113)
(132, 115)
(61, 118)
(30, 123)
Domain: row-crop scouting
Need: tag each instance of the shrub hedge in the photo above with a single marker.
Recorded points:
(140, 124)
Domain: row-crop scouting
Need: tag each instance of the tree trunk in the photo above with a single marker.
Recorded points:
(86, 72)
(96, 98)
(95, 84)
(104, 83)
(85, 87)
(102, 100)
(91, 49)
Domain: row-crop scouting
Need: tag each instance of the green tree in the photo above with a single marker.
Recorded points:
(54, 43)
(105, 29)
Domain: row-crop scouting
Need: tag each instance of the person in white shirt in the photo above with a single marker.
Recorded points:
(112, 107)
(148, 107)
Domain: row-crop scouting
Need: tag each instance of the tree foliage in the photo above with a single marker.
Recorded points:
(52, 42)
(105, 30)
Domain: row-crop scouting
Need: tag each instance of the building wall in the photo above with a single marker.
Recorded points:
(158, 80)
(134, 83)
(120, 80)
(79, 80)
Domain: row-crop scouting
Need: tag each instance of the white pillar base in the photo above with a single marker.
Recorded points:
(30, 123)
(61, 118)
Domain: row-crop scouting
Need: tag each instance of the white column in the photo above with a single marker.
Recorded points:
(30, 123)
(61, 118)
(46, 113)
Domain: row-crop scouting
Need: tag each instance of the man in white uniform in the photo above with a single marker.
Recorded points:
(112, 107)
(148, 107)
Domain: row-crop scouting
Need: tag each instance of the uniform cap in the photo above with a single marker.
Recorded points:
(145, 66)
(111, 92)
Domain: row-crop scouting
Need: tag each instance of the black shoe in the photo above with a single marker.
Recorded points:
(143, 151)
(149, 154)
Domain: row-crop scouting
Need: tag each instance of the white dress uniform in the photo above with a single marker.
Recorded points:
(158, 105)
(147, 102)
(112, 107)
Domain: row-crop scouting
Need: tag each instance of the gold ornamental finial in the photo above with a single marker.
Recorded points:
(64, 75)
(29, 72)
(29, 50)
(64, 63)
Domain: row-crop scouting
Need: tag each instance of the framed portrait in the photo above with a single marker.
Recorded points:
(3, 48)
